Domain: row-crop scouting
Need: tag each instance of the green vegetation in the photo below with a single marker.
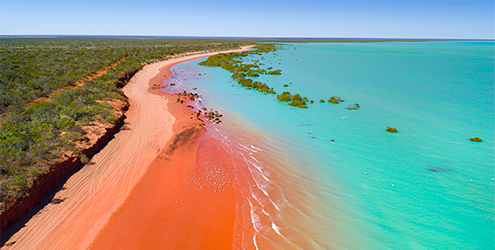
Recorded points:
(476, 139)
(36, 136)
(284, 97)
(334, 100)
(84, 159)
(391, 129)
(36, 67)
(274, 72)
(232, 62)
(293, 100)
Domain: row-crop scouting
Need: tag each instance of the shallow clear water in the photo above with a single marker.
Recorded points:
(426, 187)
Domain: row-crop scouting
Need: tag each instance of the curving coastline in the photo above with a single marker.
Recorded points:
(89, 197)
(202, 192)
(172, 209)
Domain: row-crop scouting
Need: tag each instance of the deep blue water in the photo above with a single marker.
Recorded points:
(427, 186)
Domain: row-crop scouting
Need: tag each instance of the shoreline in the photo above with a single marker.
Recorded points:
(187, 207)
(198, 189)
(92, 195)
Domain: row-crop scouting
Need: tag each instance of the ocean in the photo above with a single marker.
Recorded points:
(331, 178)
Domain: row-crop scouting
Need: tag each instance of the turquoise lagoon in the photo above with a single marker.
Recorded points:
(426, 187)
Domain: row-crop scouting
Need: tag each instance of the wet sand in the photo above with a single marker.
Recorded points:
(185, 201)
(90, 197)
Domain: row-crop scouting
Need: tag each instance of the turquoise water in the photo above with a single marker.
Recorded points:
(426, 187)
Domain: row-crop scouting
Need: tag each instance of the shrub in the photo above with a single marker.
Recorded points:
(75, 136)
(297, 97)
(246, 82)
(65, 123)
(334, 99)
(111, 119)
(391, 129)
(476, 139)
(44, 114)
(238, 75)
(252, 73)
(83, 121)
(286, 85)
(284, 97)
(84, 159)
(297, 103)
(264, 88)
(274, 72)
(322, 101)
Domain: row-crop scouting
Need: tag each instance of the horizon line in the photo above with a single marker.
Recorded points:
(243, 37)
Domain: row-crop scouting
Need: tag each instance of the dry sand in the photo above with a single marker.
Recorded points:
(90, 197)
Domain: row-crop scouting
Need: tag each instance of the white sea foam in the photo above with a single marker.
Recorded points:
(247, 148)
(259, 149)
(254, 242)
(262, 186)
(265, 178)
(265, 212)
(255, 219)
(276, 229)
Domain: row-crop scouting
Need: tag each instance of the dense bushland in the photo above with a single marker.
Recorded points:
(32, 68)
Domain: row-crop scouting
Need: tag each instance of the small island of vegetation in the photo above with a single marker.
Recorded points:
(476, 139)
(334, 100)
(293, 100)
(391, 129)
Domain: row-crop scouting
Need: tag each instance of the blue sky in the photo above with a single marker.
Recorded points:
(241, 18)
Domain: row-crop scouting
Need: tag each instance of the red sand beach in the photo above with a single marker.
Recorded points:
(186, 199)
(149, 174)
